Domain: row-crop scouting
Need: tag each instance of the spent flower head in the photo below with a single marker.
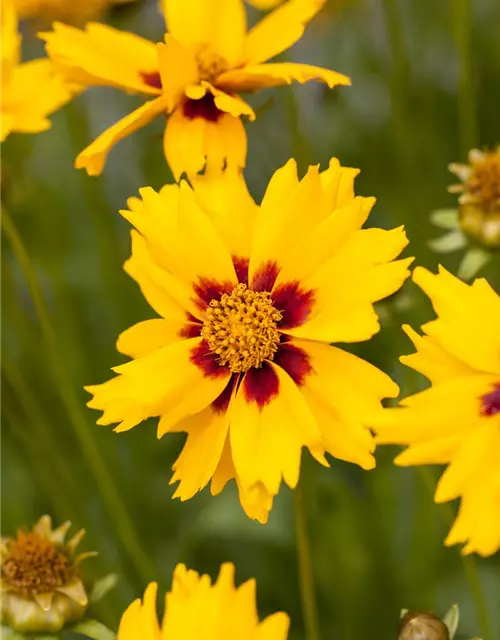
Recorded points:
(41, 584)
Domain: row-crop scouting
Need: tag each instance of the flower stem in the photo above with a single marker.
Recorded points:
(461, 21)
(470, 566)
(122, 522)
(307, 589)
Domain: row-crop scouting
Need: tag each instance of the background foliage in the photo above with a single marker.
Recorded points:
(377, 536)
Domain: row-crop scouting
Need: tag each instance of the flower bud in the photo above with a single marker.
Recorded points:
(417, 625)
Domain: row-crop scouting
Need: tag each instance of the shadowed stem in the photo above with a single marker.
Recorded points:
(307, 589)
(461, 21)
(111, 497)
(470, 567)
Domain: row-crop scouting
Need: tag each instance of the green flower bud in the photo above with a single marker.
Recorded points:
(417, 625)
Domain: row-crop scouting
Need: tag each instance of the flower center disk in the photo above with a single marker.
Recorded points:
(210, 64)
(241, 328)
(34, 565)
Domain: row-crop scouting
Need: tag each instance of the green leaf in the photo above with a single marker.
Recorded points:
(473, 261)
(449, 242)
(445, 218)
(102, 587)
(451, 620)
(93, 629)
(403, 612)
(9, 634)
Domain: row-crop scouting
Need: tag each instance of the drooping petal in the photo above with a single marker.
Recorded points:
(469, 317)
(160, 383)
(93, 158)
(262, 76)
(192, 144)
(221, 26)
(270, 423)
(102, 55)
(279, 30)
(178, 70)
(229, 103)
(207, 433)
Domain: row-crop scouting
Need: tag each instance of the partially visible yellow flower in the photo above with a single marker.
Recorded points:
(70, 11)
(41, 585)
(250, 299)
(456, 422)
(194, 77)
(195, 609)
(265, 4)
(31, 91)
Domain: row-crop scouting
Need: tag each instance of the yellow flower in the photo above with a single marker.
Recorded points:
(31, 91)
(250, 298)
(194, 77)
(456, 421)
(71, 11)
(41, 585)
(196, 609)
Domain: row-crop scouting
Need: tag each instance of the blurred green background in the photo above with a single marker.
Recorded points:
(420, 98)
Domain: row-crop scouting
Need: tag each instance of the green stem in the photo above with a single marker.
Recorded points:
(111, 496)
(470, 566)
(468, 126)
(306, 578)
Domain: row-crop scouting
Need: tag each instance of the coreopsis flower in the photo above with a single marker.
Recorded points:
(70, 11)
(250, 298)
(456, 422)
(31, 91)
(194, 77)
(196, 608)
(41, 584)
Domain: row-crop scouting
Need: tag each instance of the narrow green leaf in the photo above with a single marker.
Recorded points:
(473, 261)
(449, 242)
(451, 620)
(93, 629)
(102, 587)
(445, 218)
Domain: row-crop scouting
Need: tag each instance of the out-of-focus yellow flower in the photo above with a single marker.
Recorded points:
(41, 585)
(250, 298)
(70, 11)
(195, 608)
(194, 77)
(31, 91)
(456, 421)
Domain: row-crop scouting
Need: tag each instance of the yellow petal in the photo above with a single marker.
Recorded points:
(220, 195)
(274, 627)
(280, 29)
(192, 144)
(11, 40)
(33, 92)
(131, 622)
(44, 600)
(102, 55)
(178, 69)
(146, 336)
(154, 385)
(469, 317)
(262, 76)
(168, 296)
(281, 222)
(467, 461)
(232, 104)
(94, 156)
(432, 360)
(343, 406)
(202, 451)
(75, 590)
(435, 451)
(266, 441)
(221, 26)
(149, 627)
